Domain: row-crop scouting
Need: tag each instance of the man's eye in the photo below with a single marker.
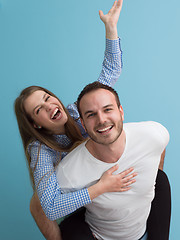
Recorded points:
(108, 109)
(91, 115)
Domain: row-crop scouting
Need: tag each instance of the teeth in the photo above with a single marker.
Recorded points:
(104, 129)
(56, 110)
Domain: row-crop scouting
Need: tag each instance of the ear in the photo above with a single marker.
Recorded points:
(82, 122)
(36, 126)
(122, 112)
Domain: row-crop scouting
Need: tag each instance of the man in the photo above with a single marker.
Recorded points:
(139, 145)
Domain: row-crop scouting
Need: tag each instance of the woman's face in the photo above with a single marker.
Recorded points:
(46, 111)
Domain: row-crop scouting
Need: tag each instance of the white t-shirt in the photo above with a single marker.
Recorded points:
(119, 215)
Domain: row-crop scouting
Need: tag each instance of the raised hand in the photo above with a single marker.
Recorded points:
(111, 19)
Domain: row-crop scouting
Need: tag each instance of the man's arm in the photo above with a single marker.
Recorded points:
(161, 164)
(48, 228)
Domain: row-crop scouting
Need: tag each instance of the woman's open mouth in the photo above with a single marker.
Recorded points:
(56, 114)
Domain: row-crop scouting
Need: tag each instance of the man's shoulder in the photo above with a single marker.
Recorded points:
(72, 171)
(143, 125)
(148, 130)
(74, 154)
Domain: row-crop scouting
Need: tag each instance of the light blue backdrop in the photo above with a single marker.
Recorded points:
(59, 45)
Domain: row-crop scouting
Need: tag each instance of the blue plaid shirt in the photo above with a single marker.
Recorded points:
(55, 203)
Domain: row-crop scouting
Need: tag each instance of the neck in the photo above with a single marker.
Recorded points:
(108, 153)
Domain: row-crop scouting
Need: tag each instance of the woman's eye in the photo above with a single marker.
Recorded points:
(47, 98)
(38, 110)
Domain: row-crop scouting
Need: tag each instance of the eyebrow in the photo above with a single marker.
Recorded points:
(90, 111)
(38, 104)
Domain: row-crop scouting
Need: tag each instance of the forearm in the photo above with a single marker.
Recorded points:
(112, 63)
(54, 203)
(95, 190)
(165, 139)
(111, 31)
(49, 229)
(161, 164)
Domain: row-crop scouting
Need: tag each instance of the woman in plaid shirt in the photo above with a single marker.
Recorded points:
(49, 131)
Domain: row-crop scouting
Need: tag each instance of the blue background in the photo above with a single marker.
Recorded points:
(60, 45)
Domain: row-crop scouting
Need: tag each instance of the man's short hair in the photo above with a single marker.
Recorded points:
(93, 87)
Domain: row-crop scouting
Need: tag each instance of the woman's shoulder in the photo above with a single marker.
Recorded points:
(35, 144)
(36, 148)
(41, 154)
(72, 109)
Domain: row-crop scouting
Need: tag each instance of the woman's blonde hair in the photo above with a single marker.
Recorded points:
(29, 133)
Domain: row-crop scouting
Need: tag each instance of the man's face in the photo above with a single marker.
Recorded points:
(101, 117)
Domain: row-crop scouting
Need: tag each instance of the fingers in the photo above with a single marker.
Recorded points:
(101, 14)
(126, 172)
(125, 184)
(114, 5)
(113, 8)
(113, 169)
(129, 177)
(125, 189)
(119, 3)
(127, 181)
(111, 18)
(117, 182)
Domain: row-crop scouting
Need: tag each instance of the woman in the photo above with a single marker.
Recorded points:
(49, 131)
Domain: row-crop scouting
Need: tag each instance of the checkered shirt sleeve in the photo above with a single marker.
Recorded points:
(112, 64)
(54, 202)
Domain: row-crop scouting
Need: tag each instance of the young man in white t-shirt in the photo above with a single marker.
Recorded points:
(138, 145)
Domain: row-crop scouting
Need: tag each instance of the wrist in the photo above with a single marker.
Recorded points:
(111, 32)
(96, 190)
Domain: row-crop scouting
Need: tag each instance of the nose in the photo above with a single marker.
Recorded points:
(101, 118)
(47, 106)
